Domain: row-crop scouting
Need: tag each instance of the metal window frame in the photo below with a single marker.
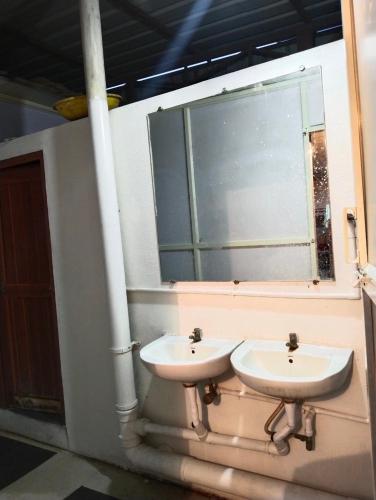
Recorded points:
(196, 245)
(309, 179)
(258, 88)
(192, 193)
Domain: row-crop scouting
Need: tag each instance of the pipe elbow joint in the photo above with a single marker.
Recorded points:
(139, 426)
(282, 447)
(201, 431)
(128, 428)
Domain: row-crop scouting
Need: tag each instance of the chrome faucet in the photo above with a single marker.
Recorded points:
(196, 335)
(292, 344)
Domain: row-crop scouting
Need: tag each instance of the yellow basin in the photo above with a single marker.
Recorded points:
(74, 108)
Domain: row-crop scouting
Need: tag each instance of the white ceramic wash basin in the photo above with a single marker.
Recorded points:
(310, 371)
(178, 358)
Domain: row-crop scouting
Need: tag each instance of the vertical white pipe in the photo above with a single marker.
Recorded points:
(190, 390)
(309, 415)
(280, 436)
(199, 427)
(108, 204)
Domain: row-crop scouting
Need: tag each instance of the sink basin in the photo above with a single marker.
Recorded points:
(309, 371)
(177, 358)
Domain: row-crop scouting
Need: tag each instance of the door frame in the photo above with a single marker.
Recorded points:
(366, 270)
(14, 162)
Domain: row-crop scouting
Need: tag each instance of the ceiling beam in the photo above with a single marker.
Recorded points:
(298, 6)
(146, 19)
(21, 41)
(211, 70)
(140, 15)
(120, 72)
(217, 67)
(145, 65)
(305, 36)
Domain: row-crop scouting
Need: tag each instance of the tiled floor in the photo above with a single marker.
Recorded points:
(30, 471)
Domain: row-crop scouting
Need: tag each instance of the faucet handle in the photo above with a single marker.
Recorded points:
(196, 335)
(292, 344)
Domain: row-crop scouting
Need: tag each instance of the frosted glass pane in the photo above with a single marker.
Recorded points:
(257, 264)
(170, 177)
(315, 101)
(177, 266)
(249, 167)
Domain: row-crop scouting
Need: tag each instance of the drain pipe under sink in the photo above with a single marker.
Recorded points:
(279, 437)
(198, 426)
(140, 457)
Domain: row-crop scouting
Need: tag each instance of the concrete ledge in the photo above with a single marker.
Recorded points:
(33, 428)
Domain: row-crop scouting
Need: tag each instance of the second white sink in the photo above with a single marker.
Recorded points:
(310, 371)
(177, 358)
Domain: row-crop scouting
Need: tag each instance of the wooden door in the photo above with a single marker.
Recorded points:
(29, 351)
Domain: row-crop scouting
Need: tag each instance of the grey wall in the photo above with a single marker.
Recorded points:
(18, 119)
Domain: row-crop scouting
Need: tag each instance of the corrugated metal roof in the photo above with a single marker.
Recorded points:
(40, 40)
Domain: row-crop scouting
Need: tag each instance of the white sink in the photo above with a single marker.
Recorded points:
(310, 371)
(178, 358)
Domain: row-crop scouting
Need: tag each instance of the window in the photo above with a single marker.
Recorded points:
(241, 185)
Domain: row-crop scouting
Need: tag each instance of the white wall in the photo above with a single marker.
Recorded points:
(83, 324)
(341, 461)
(132, 155)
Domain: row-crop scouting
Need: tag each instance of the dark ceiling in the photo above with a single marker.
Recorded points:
(40, 39)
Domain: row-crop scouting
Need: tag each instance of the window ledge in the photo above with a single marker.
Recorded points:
(294, 291)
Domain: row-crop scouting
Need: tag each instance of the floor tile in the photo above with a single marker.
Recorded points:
(88, 494)
(62, 475)
(17, 459)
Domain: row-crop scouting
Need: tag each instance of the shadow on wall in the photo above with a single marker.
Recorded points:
(18, 119)
(160, 400)
(352, 466)
(155, 394)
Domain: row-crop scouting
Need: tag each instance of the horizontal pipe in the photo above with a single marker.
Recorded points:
(143, 427)
(191, 471)
(269, 399)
